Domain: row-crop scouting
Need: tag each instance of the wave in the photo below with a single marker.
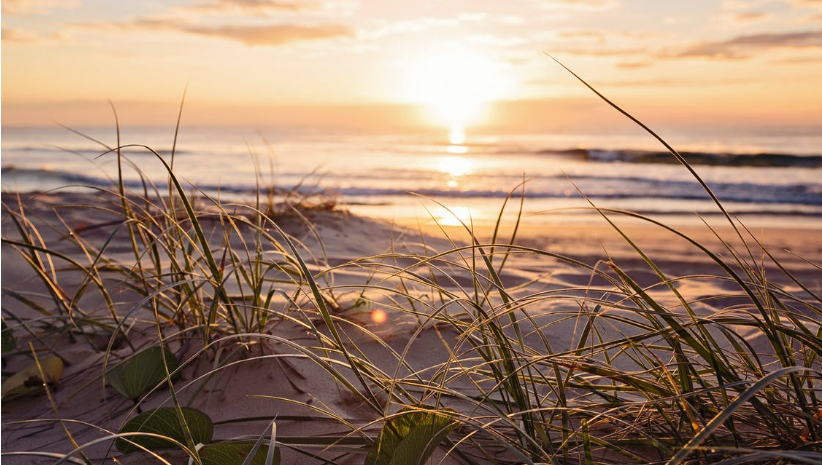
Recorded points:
(363, 188)
(765, 159)
(92, 150)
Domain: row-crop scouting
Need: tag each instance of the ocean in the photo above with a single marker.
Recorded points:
(764, 175)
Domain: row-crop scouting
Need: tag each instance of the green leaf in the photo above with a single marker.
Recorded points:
(135, 376)
(411, 437)
(28, 380)
(7, 339)
(235, 453)
(165, 422)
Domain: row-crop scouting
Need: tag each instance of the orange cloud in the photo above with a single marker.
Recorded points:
(256, 7)
(35, 7)
(745, 46)
(272, 35)
(751, 16)
(634, 64)
(17, 35)
(578, 4)
(599, 52)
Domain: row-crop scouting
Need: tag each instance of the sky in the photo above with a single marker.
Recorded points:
(374, 63)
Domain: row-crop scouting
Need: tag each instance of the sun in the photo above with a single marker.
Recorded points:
(455, 84)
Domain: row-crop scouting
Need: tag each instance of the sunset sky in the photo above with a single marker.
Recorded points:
(359, 61)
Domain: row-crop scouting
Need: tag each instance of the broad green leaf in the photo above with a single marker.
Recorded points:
(235, 453)
(7, 339)
(165, 422)
(135, 376)
(411, 437)
(28, 380)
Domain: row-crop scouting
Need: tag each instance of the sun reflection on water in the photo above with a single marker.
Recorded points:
(455, 166)
(455, 217)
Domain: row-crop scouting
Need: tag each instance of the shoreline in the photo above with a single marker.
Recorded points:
(532, 231)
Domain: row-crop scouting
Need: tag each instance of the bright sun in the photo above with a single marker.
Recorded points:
(455, 84)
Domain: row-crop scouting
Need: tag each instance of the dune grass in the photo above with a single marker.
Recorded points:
(648, 377)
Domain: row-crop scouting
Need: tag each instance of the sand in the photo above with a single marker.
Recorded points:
(248, 388)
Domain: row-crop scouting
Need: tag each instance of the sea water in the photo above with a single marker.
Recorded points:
(770, 175)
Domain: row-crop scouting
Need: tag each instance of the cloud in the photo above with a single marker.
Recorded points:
(18, 36)
(598, 52)
(250, 7)
(745, 46)
(750, 16)
(35, 7)
(23, 37)
(800, 60)
(578, 4)
(273, 35)
(659, 82)
(634, 64)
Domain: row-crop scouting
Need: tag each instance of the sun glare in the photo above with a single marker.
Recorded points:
(455, 166)
(454, 216)
(455, 84)
(456, 134)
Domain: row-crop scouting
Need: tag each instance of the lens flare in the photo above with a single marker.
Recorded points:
(379, 316)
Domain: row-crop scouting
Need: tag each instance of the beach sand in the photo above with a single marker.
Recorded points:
(255, 387)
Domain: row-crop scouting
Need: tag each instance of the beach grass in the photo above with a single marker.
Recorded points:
(623, 369)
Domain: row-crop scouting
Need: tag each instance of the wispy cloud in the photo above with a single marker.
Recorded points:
(578, 4)
(666, 82)
(25, 37)
(35, 7)
(18, 36)
(250, 35)
(745, 46)
(800, 60)
(273, 35)
(751, 16)
(250, 7)
(600, 52)
(634, 64)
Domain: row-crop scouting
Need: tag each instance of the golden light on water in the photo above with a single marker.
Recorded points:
(457, 216)
(455, 166)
